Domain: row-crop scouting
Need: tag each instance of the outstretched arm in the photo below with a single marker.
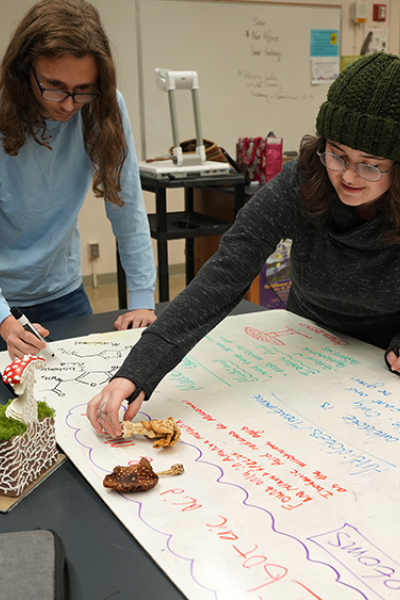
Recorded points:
(131, 228)
(211, 295)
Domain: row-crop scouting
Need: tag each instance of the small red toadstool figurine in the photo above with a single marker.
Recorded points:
(20, 374)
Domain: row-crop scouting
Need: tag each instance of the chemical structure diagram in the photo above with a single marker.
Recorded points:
(105, 354)
(77, 371)
(91, 378)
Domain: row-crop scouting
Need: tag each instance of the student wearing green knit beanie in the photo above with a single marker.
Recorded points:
(362, 109)
(339, 203)
(358, 143)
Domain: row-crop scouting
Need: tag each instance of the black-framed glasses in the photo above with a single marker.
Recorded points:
(365, 171)
(59, 96)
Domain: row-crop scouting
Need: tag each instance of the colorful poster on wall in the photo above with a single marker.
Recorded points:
(324, 69)
(324, 51)
(324, 42)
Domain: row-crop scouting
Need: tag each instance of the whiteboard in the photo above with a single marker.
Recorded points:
(290, 444)
(253, 62)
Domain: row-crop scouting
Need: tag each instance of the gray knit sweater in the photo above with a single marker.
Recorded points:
(344, 277)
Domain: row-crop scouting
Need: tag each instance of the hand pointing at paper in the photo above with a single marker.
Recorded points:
(103, 409)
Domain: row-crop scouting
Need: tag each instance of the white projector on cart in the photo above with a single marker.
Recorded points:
(192, 164)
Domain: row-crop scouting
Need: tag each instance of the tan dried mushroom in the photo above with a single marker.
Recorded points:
(137, 478)
(165, 432)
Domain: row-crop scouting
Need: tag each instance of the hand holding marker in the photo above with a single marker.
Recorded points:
(27, 325)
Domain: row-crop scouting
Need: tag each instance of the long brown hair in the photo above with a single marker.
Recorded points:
(54, 28)
(317, 192)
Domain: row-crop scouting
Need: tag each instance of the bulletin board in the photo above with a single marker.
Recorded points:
(253, 63)
(290, 445)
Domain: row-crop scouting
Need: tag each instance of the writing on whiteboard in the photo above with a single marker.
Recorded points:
(263, 41)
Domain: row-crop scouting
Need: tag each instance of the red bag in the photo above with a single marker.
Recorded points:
(260, 158)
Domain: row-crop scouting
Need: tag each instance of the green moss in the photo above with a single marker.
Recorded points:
(11, 427)
(44, 410)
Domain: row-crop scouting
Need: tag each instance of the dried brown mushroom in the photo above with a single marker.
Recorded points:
(165, 432)
(174, 470)
(137, 478)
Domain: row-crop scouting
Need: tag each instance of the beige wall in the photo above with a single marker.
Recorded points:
(119, 20)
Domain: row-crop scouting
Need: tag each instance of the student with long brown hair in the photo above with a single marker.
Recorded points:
(63, 126)
(340, 206)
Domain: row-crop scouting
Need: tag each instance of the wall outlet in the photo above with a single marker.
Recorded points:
(94, 251)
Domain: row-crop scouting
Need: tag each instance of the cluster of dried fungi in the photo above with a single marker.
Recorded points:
(141, 477)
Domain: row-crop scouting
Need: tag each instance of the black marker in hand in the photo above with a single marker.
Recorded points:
(27, 325)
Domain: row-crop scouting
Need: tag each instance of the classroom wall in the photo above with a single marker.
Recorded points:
(119, 17)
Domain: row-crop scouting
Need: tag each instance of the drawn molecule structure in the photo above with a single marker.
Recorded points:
(111, 354)
(90, 378)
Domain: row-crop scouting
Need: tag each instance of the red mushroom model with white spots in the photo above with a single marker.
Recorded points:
(20, 374)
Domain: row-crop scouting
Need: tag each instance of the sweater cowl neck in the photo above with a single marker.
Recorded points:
(344, 225)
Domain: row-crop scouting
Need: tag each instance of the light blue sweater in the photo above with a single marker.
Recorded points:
(41, 194)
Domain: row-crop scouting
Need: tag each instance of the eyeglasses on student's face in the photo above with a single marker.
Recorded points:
(59, 96)
(365, 171)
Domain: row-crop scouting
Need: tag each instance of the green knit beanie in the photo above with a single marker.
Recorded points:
(362, 109)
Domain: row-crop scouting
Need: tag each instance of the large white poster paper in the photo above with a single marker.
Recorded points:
(290, 444)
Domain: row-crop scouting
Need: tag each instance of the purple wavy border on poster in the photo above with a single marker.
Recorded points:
(219, 480)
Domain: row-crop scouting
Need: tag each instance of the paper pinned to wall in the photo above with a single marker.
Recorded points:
(324, 42)
(324, 69)
(290, 438)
